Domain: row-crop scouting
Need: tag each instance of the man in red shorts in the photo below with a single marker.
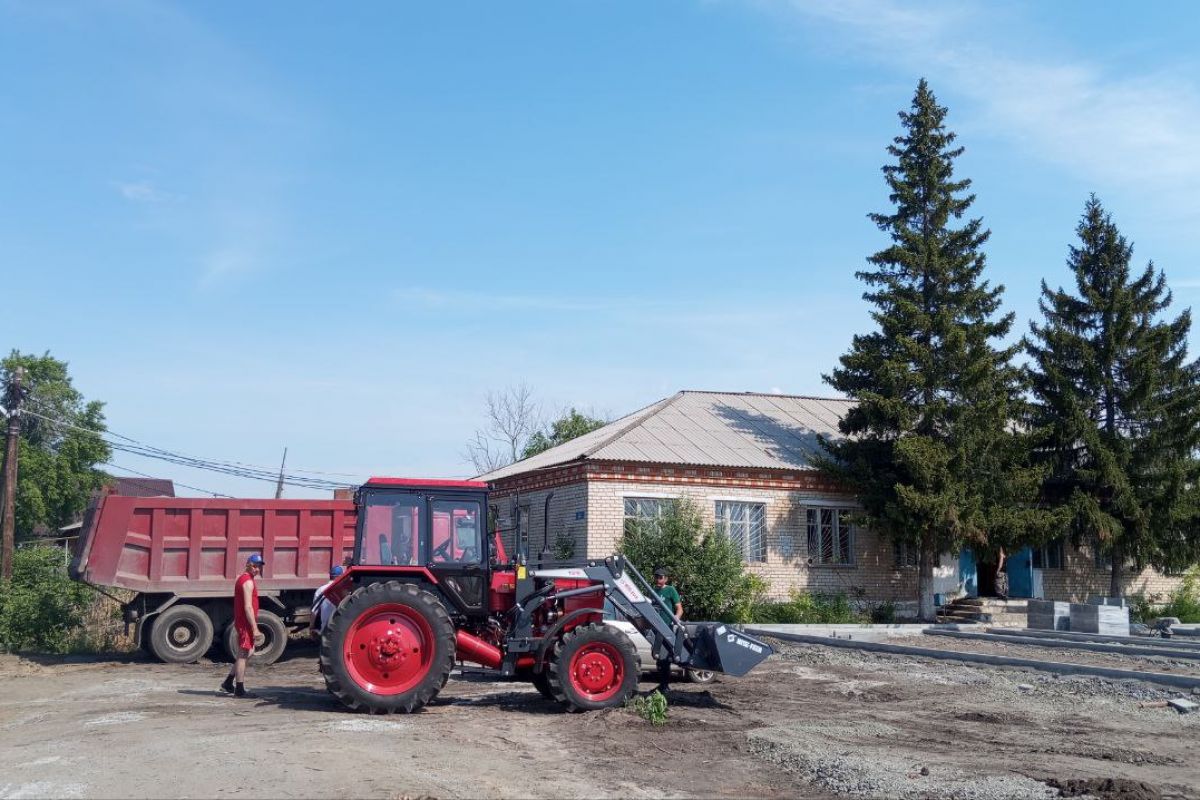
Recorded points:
(245, 622)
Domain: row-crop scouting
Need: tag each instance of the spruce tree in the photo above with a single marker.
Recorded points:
(929, 447)
(1117, 406)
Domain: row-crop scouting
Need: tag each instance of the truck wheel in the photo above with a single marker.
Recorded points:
(144, 642)
(594, 666)
(388, 648)
(700, 675)
(275, 639)
(181, 634)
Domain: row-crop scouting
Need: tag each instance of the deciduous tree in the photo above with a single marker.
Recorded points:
(61, 445)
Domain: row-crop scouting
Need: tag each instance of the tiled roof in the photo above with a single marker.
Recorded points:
(726, 429)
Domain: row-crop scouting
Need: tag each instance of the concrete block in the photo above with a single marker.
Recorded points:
(1101, 600)
(1108, 620)
(1049, 615)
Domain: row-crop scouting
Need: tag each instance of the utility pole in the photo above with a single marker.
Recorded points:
(279, 486)
(14, 395)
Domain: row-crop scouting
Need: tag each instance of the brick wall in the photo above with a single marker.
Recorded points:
(1079, 578)
(565, 507)
(873, 574)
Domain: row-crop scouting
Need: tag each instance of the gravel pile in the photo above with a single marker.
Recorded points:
(831, 756)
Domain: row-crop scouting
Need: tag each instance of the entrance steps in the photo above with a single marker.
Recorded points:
(985, 610)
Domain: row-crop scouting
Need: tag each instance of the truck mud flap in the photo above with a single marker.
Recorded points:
(721, 648)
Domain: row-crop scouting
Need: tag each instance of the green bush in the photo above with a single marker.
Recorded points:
(1183, 603)
(705, 566)
(807, 609)
(41, 608)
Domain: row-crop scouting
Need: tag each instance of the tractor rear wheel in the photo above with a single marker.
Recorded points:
(594, 666)
(388, 648)
(541, 682)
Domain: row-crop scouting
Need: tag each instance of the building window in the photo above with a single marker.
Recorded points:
(1049, 556)
(745, 525)
(906, 555)
(830, 536)
(648, 510)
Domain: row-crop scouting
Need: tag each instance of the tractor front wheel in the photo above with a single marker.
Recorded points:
(594, 666)
(388, 648)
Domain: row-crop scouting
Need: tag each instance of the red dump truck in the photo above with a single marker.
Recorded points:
(181, 555)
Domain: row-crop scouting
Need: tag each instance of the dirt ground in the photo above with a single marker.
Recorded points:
(810, 722)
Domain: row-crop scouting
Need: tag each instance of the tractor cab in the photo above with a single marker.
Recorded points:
(430, 528)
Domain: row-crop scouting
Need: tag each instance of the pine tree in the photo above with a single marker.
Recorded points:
(929, 447)
(1117, 406)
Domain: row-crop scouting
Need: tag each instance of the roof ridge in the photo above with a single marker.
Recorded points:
(638, 420)
(769, 394)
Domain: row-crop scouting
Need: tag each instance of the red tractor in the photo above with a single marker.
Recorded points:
(427, 587)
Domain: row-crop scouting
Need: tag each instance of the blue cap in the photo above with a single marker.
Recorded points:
(255, 559)
(336, 571)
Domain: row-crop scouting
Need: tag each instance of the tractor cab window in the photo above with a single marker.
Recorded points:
(457, 529)
(391, 531)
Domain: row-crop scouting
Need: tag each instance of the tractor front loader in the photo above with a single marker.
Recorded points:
(427, 588)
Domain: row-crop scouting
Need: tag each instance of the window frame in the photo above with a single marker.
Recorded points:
(751, 553)
(840, 515)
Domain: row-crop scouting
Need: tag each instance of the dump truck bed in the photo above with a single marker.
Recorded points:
(196, 546)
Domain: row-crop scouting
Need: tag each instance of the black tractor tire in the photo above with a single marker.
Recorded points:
(372, 636)
(274, 639)
(541, 682)
(593, 667)
(181, 634)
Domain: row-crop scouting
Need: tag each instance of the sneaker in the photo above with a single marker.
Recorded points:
(240, 691)
(227, 684)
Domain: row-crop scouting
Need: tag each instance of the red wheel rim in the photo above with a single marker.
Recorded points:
(389, 649)
(597, 671)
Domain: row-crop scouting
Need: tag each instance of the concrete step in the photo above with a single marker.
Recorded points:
(992, 604)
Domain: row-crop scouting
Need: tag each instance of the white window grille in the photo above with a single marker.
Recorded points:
(745, 525)
(830, 536)
(906, 555)
(643, 510)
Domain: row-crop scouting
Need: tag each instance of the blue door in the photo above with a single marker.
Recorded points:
(968, 573)
(1019, 567)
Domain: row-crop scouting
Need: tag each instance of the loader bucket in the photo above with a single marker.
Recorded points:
(720, 648)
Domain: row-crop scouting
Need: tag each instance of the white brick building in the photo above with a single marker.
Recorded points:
(745, 459)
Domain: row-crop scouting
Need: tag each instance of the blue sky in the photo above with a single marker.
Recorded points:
(255, 225)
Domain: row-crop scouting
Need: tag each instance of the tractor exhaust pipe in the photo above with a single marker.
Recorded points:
(469, 647)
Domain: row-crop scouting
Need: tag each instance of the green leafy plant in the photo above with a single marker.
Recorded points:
(808, 609)
(564, 547)
(41, 608)
(651, 707)
(705, 567)
(883, 612)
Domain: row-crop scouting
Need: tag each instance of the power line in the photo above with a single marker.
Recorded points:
(233, 468)
(153, 477)
(231, 464)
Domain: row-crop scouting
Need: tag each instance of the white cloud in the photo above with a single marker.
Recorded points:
(144, 192)
(1139, 131)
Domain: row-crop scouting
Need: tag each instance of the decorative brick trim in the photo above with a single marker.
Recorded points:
(664, 475)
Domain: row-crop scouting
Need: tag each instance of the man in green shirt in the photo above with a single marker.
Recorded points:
(670, 596)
